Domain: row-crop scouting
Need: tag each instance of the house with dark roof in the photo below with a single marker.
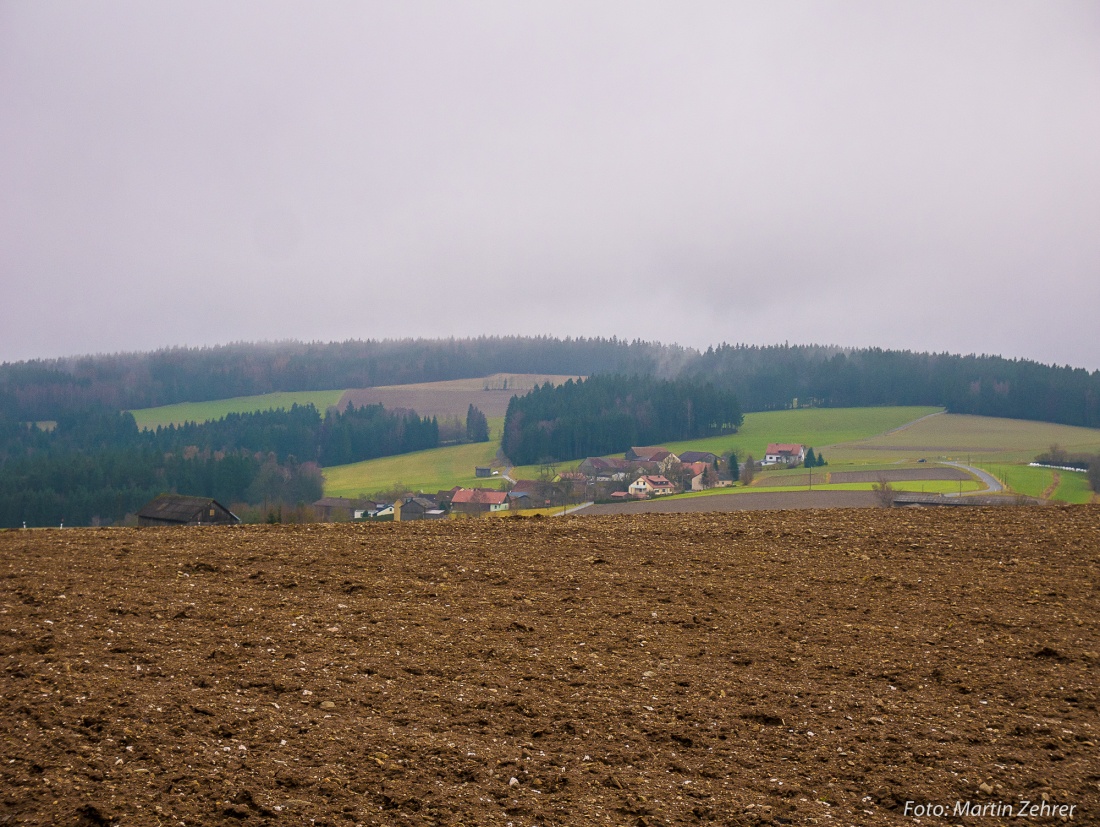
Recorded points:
(417, 508)
(653, 458)
(698, 456)
(338, 509)
(652, 453)
(604, 468)
(529, 494)
(176, 509)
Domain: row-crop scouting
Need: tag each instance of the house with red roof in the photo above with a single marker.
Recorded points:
(479, 500)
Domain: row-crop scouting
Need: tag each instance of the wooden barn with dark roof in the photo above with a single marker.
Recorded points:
(176, 509)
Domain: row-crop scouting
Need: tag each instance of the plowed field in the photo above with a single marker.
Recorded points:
(818, 667)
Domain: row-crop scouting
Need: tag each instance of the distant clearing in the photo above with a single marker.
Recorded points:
(152, 418)
(490, 394)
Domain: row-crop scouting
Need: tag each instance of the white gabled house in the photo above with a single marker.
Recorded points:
(784, 453)
(651, 486)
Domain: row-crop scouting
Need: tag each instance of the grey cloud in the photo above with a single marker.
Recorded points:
(916, 175)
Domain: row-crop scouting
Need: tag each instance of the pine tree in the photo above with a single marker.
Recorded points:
(477, 426)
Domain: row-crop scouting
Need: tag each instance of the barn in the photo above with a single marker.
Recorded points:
(176, 509)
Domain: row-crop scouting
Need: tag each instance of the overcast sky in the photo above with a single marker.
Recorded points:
(920, 175)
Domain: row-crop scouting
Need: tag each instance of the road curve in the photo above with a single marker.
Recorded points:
(991, 482)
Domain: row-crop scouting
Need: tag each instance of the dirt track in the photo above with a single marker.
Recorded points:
(754, 668)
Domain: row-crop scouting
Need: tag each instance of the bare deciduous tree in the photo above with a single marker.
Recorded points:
(884, 494)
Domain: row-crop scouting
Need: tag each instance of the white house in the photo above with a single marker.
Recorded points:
(651, 485)
(785, 453)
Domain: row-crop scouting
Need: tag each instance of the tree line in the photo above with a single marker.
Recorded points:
(763, 378)
(97, 466)
(607, 414)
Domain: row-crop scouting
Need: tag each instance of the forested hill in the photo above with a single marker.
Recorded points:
(762, 378)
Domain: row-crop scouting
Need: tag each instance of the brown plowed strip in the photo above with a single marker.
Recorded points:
(820, 667)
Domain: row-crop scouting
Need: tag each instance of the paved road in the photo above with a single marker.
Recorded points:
(994, 485)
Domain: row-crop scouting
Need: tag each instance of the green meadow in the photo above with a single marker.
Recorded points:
(1071, 487)
(429, 471)
(152, 418)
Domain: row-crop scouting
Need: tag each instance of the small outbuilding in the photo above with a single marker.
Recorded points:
(176, 509)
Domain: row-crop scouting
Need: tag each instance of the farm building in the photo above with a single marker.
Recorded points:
(417, 508)
(698, 456)
(338, 509)
(783, 452)
(483, 471)
(605, 468)
(654, 453)
(176, 509)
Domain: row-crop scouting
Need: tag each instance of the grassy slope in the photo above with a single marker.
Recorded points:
(816, 427)
(1072, 486)
(429, 471)
(981, 438)
(218, 408)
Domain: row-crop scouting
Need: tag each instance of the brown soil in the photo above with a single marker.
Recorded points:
(890, 475)
(900, 475)
(822, 667)
(452, 398)
(742, 501)
(428, 402)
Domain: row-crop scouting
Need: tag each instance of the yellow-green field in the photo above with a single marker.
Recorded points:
(428, 471)
(152, 418)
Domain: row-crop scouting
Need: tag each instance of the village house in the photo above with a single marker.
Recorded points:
(784, 453)
(577, 482)
(654, 456)
(698, 456)
(417, 508)
(609, 469)
(651, 485)
(479, 501)
(529, 494)
(698, 470)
